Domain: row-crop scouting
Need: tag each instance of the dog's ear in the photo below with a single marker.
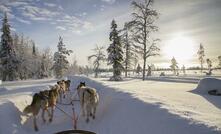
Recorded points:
(58, 82)
(84, 83)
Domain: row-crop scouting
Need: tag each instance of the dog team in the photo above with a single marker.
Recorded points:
(46, 101)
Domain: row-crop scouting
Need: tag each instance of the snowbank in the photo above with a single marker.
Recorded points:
(207, 84)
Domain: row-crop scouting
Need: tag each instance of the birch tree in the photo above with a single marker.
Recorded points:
(143, 24)
(98, 57)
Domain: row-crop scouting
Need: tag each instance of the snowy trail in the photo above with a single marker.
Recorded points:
(119, 111)
(178, 98)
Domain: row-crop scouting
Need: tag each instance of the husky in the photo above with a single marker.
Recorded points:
(89, 99)
(43, 100)
(65, 86)
(62, 89)
(52, 99)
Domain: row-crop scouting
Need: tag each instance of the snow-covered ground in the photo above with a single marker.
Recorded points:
(131, 106)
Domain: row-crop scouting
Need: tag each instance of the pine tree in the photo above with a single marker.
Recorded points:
(61, 63)
(201, 56)
(33, 49)
(99, 57)
(9, 61)
(209, 64)
(144, 17)
(174, 66)
(138, 70)
(115, 53)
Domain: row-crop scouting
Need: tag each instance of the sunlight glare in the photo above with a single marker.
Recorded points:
(180, 47)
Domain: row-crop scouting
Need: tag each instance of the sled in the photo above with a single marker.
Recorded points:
(75, 132)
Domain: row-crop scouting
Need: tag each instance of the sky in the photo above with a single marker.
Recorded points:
(85, 23)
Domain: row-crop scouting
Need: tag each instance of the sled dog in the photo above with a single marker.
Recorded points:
(65, 86)
(43, 100)
(88, 100)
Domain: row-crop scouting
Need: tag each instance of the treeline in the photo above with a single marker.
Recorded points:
(20, 58)
(32, 62)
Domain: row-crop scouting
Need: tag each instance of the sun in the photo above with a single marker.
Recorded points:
(181, 48)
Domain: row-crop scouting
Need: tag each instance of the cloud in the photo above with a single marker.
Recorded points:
(13, 29)
(50, 4)
(60, 7)
(60, 28)
(88, 26)
(36, 13)
(81, 14)
(109, 1)
(17, 3)
(23, 21)
(73, 23)
(4, 9)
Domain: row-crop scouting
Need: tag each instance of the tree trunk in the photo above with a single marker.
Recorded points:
(144, 69)
(145, 47)
(127, 55)
(126, 71)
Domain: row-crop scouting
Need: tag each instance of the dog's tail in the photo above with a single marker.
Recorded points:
(27, 109)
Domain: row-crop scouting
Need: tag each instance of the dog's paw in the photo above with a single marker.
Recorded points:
(93, 117)
(50, 120)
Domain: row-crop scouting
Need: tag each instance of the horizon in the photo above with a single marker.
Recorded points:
(83, 24)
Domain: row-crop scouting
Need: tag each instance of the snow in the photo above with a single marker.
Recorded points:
(129, 106)
(208, 84)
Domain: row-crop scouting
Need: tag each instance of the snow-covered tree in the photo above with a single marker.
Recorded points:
(127, 42)
(138, 70)
(135, 62)
(201, 56)
(144, 17)
(8, 59)
(45, 64)
(219, 61)
(47, 61)
(149, 70)
(184, 70)
(209, 64)
(115, 53)
(174, 66)
(19, 50)
(99, 57)
(61, 63)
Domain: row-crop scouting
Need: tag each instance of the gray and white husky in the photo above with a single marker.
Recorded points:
(89, 99)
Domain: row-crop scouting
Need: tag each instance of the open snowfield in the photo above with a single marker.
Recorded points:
(166, 105)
